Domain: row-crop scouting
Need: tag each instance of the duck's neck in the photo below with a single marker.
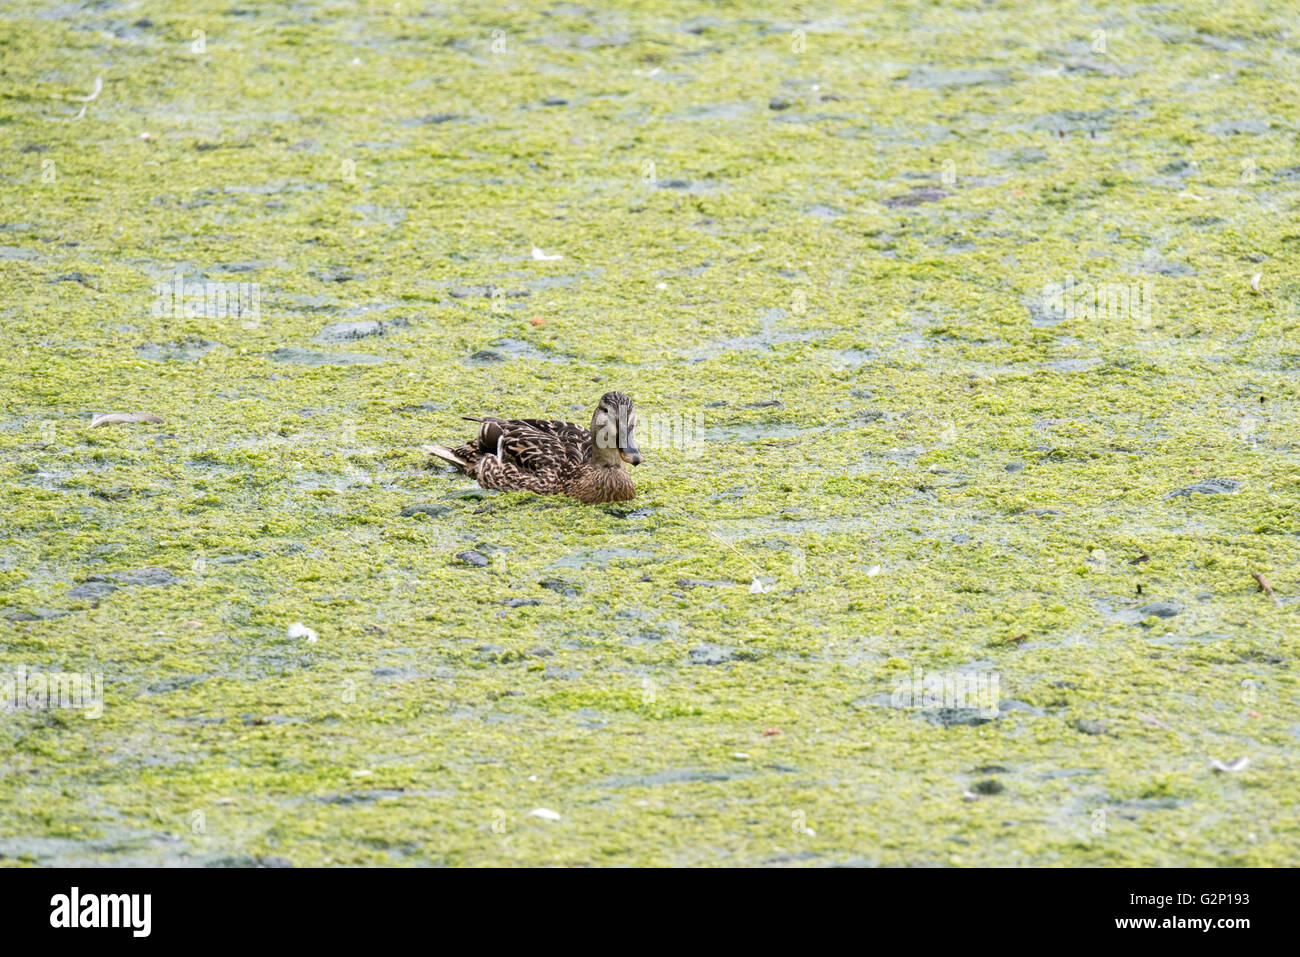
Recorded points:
(606, 458)
(604, 483)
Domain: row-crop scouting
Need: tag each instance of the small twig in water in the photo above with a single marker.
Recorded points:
(1159, 724)
(733, 548)
(718, 537)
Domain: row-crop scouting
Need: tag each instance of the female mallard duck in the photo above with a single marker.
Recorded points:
(554, 458)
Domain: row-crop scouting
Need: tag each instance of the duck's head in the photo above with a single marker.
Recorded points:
(612, 427)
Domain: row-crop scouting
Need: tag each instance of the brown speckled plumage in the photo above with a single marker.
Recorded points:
(550, 457)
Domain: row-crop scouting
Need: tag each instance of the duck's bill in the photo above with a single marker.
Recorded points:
(630, 454)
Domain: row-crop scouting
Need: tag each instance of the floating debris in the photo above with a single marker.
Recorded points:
(94, 93)
(116, 418)
(1237, 765)
(299, 630)
(1265, 587)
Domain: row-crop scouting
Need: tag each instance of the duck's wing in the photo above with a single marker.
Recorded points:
(534, 444)
(573, 439)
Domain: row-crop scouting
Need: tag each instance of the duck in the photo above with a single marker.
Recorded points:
(549, 457)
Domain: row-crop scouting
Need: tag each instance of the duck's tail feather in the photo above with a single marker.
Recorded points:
(446, 454)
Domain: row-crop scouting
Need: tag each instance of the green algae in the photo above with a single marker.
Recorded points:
(915, 469)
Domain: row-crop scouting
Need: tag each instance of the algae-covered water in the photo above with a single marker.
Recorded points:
(965, 340)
